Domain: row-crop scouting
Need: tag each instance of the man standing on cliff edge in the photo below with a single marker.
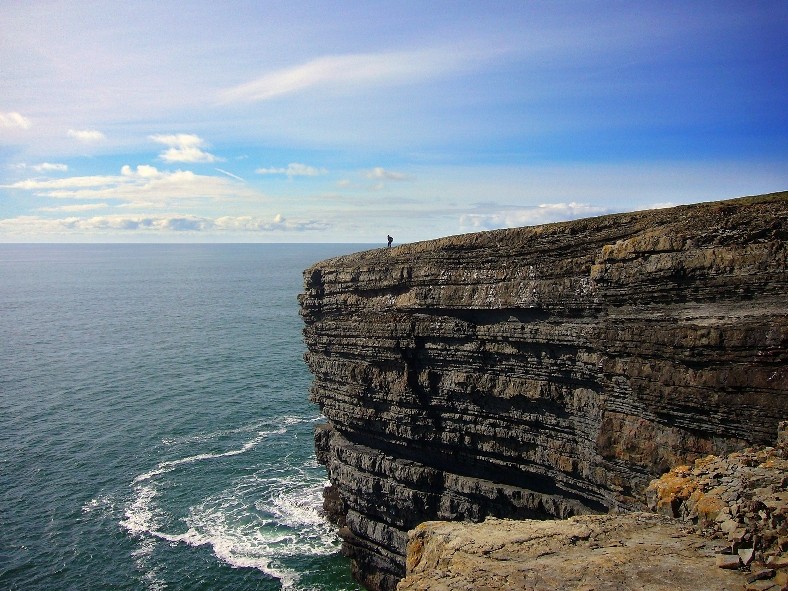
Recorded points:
(390, 241)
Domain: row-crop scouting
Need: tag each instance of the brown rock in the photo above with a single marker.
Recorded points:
(781, 577)
(779, 561)
(746, 555)
(643, 552)
(759, 574)
(728, 561)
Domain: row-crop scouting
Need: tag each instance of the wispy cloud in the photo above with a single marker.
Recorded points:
(14, 119)
(351, 71)
(380, 173)
(183, 147)
(87, 136)
(50, 167)
(258, 224)
(293, 169)
(512, 217)
(174, 222)
(75, 207)
(230, 174)
(45, 187)
(143, 186)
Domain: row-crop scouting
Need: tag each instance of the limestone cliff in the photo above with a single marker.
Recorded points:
(542, 372)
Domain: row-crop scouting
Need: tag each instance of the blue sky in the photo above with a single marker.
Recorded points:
(346, 121)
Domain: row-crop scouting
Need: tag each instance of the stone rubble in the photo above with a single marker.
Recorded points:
(739, 500)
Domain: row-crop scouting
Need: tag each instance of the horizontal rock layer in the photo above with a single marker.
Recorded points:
(542, 372)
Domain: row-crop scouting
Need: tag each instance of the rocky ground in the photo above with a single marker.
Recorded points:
(720, 524)
(639, 551)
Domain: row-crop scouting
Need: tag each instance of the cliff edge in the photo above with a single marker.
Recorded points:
(542, 372)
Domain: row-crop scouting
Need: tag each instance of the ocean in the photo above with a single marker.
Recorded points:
(155, 428)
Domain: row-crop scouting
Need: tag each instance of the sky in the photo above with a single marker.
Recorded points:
(266, 121)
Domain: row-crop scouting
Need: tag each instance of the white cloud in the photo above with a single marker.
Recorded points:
(183, 147)
(14, 119)
(87, 135)
(529, 216)
(76, 207)
(143, 186)
(293, 169)
(352, 71)
(381, 173)
(258, 224)
(175, 222)
(50, 167)
(145, 171)
(76, 182)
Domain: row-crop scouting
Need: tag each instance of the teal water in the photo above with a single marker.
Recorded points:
(155, 431)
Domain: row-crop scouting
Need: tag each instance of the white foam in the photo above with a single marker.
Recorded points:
(142, 561)
(259, 522)
(249, 428)
(239, 550)
(141, 515)
(299, 507)
(99, 503)
(168, 466)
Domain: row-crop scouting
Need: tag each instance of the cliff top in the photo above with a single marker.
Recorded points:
(679, 220)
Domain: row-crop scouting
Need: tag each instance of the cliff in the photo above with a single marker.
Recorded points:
(542, 372)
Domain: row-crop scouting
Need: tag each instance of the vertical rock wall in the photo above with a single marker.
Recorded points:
(542, 372)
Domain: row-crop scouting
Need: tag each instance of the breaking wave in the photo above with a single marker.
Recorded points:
(264, 520)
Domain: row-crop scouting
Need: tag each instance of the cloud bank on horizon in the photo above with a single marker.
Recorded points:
(279, 122)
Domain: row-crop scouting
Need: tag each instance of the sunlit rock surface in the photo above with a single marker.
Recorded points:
(633, 552)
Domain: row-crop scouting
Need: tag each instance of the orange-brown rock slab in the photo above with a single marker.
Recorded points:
(640, 551)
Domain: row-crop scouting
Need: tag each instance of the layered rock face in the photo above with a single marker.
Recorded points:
(542, 372)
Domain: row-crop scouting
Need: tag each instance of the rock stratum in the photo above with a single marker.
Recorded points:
(542, 372)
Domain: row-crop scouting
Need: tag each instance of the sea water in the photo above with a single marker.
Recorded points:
(155, 429)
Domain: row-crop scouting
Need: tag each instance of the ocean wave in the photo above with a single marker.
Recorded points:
(100, 503)
(169, 465)
(248, 428)
(265, 520)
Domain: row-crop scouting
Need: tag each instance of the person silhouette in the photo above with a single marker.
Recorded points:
(390, 241)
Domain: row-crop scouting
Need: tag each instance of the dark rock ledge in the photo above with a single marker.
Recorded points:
(543, 372)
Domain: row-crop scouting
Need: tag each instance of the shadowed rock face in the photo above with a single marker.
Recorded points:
(542, 372)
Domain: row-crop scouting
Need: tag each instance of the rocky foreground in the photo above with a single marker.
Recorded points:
(543, 372)
(638, 552)
(722, 525)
